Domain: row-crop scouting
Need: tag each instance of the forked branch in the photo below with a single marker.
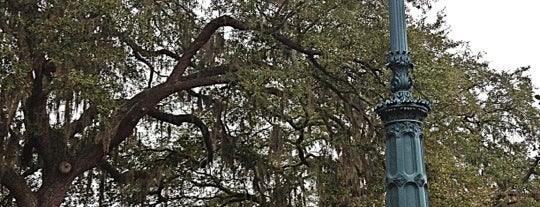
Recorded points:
(187, 118)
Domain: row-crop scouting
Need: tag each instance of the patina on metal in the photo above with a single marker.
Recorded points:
(402, 115)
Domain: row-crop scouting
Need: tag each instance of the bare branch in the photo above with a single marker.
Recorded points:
(16, 185)
(531, 170)
(188, 118)
(4, 27)
(233, 196)
(115, 174)
(85, 120)
(36, 115)
(150, 66)
(213, 71)
(149, 53)
(133, 110)
(295, 45)
(201, 39)
(138, 106)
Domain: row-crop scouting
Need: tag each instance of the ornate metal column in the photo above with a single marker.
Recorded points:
(402, 115)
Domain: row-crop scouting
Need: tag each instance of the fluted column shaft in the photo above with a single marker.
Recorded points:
(402, 115)
(398, 29)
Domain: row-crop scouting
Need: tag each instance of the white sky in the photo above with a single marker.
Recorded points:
(508, 31)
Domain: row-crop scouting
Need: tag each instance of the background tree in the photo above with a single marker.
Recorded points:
(244, 103)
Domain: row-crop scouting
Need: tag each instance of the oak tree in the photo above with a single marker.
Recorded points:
(244, 103)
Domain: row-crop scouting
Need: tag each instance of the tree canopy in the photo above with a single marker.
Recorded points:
(245, 103)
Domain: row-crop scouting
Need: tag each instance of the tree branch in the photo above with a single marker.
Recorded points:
(3, 25)
(188, 118)
(18, 188)
(234, 196)
(151, 53)
(150, 66)
(139, 105)
(37, 117)
(531, 170)
(115, 174)
(85, 120)
(133, 110)
(295, 45)
(200, 40)
(213, 71)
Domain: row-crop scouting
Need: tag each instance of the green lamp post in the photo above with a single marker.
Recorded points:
(402, 115)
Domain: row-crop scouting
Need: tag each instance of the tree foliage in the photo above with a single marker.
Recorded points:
(244, 103)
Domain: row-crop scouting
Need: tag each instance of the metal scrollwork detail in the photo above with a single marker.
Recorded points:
(400, 63)
(399, 180)
(397, 130)
(402, 103)
(400, 81)
(402, 97)
(420, 180)
(401, 58)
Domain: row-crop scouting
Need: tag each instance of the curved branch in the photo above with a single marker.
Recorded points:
(531, 170)
(200, 40)
(85, 120)
(18, 188)
(335, 79)
(212, 71)
(139, 105)
(151, 53)
(301, 153)
(132, 111)
(233, 196)
(188, 118)
(4, 27)
(150, 66)
(239, 198)
(113, 172)
(295, 45)
(124, 177)
(36, 115)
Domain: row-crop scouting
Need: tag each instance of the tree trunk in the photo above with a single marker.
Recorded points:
(29, 201)
(55, 184)
(18, 188)
(52, 195)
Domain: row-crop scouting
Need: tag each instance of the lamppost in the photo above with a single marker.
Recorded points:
(402, 115)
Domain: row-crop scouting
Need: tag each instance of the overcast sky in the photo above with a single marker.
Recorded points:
(508, 31)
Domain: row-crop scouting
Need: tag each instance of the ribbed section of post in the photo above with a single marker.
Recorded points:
(398, 33)
(402, 115)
